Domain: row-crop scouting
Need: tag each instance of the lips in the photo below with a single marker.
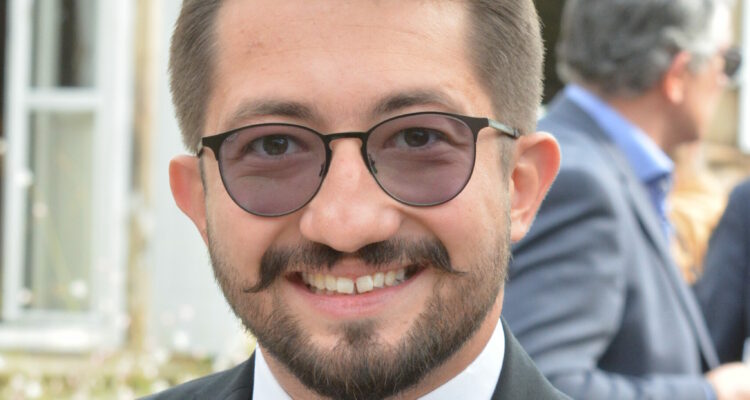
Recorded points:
(330, 284)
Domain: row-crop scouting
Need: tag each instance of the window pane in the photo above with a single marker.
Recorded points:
(58, 250)
(64, 43)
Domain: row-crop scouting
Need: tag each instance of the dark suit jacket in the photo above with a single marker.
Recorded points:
(724, 289)
(593, 294)
(519, 380)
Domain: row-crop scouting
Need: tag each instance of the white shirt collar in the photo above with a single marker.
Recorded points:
(265, 385)
(477, 381)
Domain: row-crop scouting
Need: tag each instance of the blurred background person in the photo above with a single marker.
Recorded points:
(594, 295)
(724, 289)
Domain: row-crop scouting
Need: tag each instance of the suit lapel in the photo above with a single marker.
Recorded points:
(519, 377)
(251, 375)
(648, 218)
(650, 222)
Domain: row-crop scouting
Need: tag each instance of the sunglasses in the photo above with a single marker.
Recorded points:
(420, 159)
(732, 62)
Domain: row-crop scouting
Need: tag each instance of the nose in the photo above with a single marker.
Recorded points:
(350, 210)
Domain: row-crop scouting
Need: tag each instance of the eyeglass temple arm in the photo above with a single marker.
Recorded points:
(202, 149)
(508, 130)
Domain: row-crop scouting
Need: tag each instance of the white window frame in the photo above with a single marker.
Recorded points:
(110, 102)
(743, 133)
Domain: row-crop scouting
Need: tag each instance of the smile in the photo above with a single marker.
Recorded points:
(322, 283)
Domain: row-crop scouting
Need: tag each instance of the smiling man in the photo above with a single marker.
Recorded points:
(360, 170)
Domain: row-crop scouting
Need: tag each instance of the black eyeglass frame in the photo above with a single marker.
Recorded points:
(475, 125)
(732, 62)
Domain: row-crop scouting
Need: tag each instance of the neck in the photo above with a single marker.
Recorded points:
(436, 378)
(648, 111)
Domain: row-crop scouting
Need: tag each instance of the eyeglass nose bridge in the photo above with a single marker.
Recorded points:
(362, 136)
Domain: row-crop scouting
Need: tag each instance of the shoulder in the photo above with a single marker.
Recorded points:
(232, 384)
(584, 188)
(741, 195)
(588, 203)
(737, 213)
(583, 144)
(564, 117)
(591, 168)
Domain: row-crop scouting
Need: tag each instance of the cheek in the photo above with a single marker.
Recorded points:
(246, 236)
(472, 224)
(488, 188)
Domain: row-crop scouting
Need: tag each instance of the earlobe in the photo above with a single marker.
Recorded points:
(188, 191)
(536, 162)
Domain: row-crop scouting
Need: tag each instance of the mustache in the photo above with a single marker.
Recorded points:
(311, 256)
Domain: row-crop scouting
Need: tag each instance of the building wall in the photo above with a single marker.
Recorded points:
(187, 310)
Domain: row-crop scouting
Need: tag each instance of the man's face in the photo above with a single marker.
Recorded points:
(340, 67)
(704, 89)
(705, 85)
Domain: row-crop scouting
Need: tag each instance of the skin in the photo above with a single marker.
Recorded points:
(705, 85)
(703, 91)
(338, 62)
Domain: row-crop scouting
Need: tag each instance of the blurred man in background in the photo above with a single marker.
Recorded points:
(594, 295)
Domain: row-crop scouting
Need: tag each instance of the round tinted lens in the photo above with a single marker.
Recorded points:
(423, 159)
(273, 169)
(732, 62)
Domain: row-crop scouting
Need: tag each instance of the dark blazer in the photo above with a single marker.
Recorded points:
(519, 380)
(724, 288)
(593, 295)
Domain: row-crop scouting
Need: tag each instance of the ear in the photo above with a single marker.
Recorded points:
(673, 84)
(536, 162)
(188, 191)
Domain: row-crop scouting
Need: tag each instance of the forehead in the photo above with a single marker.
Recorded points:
(338, 57)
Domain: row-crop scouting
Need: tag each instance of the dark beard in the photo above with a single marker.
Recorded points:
(360, 366)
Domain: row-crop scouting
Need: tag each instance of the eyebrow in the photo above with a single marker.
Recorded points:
(389, 104)
(405, 99)
(270, 107)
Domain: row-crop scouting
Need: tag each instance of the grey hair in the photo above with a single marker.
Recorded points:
(624, 47)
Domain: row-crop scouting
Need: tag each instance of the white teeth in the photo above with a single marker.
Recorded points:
(364, 284)
(321, 283)
(390, 278)
(331, 283)
(378, 280)
(345, 285)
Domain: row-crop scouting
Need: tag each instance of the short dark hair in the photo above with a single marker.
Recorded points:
(624, 47)
(505, 44)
